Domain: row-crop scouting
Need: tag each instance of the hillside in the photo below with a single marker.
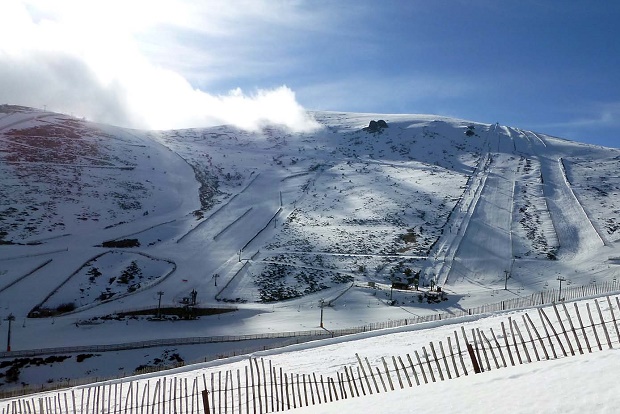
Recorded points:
(96, 220)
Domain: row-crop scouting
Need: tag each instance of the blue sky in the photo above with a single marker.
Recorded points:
(548, 66)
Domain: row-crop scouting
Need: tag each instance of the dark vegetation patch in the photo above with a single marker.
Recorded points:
(82, 357)
(45, 312)
(281, 282)
(168, 359)
(167, 313)
(123, 243)
(11, 375)
(208, 187)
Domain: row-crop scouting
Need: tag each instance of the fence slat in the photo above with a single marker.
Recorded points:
(372, 374)
(600, 314)
(445, 360)
(557, 337)
(484, 351)
(436, 361)
(523, 343)
(593, 325)
(359, 376)
(572, 327)
(415, 374)
(456, 369)
(316, 386)
(564, 331)
(542, 344)
(613, 317)
(583, 330)
(359, 362)
(381, 378)
(490, 348)
(387, 374)
(352, 392)
(400, 381)
(405, 371)
(458, 348)
(292, 383)
(532, 341)
(428, 363)
(299, 394)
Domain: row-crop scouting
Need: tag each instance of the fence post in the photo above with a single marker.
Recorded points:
(205, 401)
(474, 361)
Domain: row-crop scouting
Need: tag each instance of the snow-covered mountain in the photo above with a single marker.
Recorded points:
(96, 220)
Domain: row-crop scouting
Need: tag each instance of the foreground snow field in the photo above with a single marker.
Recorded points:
(268, 223)
(585, 384)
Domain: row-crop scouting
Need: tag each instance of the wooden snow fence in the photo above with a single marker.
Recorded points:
(261, 387)
(559, 331)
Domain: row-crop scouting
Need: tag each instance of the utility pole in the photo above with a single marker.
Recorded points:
(322, 305)
(506, 281)
(215, 276)
(160, 293)
(10, 318)
(560, 279)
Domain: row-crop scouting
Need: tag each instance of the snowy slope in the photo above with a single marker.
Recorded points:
(272, 221)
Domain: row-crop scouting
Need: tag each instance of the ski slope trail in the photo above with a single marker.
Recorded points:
(485, 250)
(576, 234)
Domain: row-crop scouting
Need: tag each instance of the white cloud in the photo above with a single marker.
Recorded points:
(596, 114)
(86, 57)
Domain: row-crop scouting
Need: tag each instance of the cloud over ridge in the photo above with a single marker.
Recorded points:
(87, 65)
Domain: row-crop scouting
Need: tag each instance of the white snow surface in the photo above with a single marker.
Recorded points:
(285, 219)
(575, 385)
